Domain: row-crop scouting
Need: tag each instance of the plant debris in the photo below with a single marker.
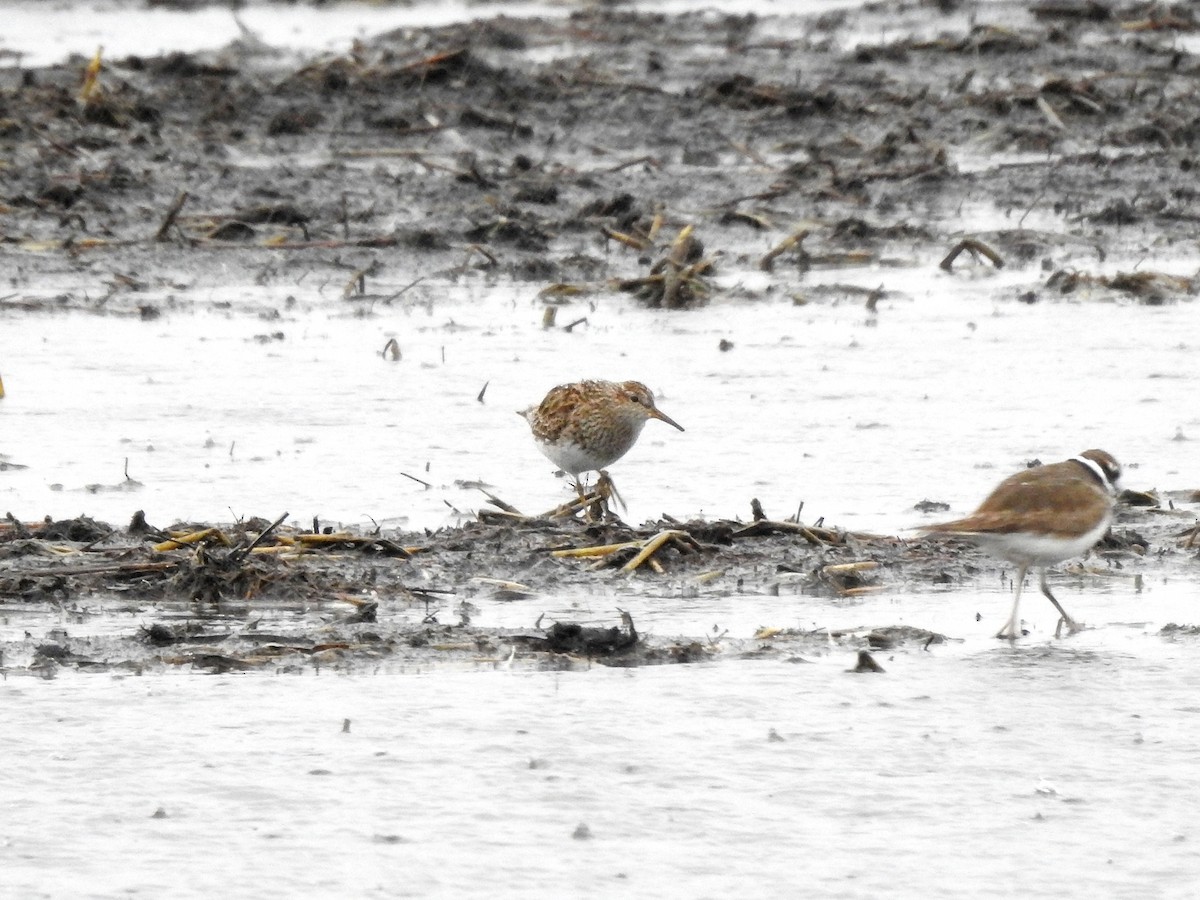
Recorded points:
(261, 594)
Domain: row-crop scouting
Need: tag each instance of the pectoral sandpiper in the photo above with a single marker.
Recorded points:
(588, 425)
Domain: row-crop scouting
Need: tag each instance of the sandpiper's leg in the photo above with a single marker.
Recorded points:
(607, 489)
(1072, 625)
(1012, 628)
(577, 483)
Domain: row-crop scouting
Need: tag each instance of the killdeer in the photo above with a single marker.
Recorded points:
(1040, 517)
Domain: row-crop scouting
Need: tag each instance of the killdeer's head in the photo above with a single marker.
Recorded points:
(1103, 465)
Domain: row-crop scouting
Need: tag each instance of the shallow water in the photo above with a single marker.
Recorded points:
(1036, 770)
(858, 416)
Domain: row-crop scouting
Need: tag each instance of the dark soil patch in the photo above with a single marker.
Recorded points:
(576, 149)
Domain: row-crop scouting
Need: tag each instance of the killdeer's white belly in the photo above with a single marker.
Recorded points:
(1030, 548)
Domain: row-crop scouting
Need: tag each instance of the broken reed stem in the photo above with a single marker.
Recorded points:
(115, 568)
(507, 507)
(767, 263)
(600, 550)
(629, 240)
(176, 541)
(239, 555)
(357, 283)
(846, 568)
(652, 546)
(171, 216)
(859, 591)
(975, 246)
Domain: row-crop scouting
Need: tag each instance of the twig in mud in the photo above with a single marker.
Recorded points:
(570, 326)
(976, 247)
(435, 61)
(632, 241)
(865, 565)
(503, 516)
(756, 221)
(1191, 536)
(750, 153)
(714, 641)
(505, 588)
(506, 507)
(404, 290)
(104, 537)
(357, 284)
(873, 299)
(472, 249)
(814, 534)
(169, 218)
(795, 239)
(1047, 110)
(126, 568)
(656, 225)
(482, 391)
(844, 578)
(650, 161)
(239, 555)
(312, 540)
(41, 135)
(427, 485)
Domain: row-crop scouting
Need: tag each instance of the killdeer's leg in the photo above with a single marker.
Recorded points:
(1012, 628)
(1072, 625)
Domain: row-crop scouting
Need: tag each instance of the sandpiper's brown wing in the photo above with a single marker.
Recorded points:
(550, 417)
(1051, 499)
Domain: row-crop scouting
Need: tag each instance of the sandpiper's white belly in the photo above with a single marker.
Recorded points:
(572, 458)
(1024, 548)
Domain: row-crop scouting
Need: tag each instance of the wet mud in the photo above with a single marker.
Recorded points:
(611, 149)
(607, 150)
(257, 595)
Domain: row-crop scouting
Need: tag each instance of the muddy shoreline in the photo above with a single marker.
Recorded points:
(263, 596)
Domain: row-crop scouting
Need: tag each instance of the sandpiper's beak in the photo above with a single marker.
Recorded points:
(663, 417)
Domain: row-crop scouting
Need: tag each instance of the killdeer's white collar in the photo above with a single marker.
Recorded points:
(1097, 470)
